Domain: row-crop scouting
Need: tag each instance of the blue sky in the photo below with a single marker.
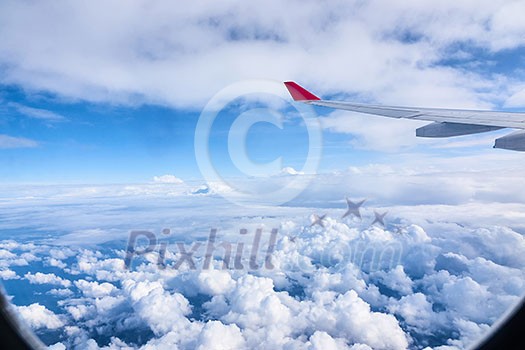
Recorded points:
(98, 142)
(105, 143)
(86, 142)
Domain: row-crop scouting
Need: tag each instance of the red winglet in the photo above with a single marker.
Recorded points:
(299, 93)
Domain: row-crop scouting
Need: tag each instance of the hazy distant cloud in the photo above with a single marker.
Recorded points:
(7, 141)
(167, 179)
(373, 132)
(38, 113)
(517, 99)
(290, 171)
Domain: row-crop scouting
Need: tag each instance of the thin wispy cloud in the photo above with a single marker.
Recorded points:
(38, 113)
(7, 142)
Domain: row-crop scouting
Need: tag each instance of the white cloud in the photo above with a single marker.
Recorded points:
(321, 294)
(375, 133)
(167, 179)
(354, 47)
(163, 311)
(56, 263)
(215, 282)
(61, 292)
(322, 340)
(57, 346)
(38, 113)
(483, 307)
(470, 333)
(79, 312)
(7, 274)
(395, 279)
(216, 335)
(7, 142)
(38, 316)
(46, 278)
(417, 312)
(6, 254)
(211, 188)
(290, 171)
(94, 289)
(359, 324)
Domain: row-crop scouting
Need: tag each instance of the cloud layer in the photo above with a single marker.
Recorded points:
(437, 275)
(162, 53)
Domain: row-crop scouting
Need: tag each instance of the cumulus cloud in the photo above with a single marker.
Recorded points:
(163, 311)
(46, 278)
(61, 292)
(322, 340)
(7, 274)
(215, 282)
(94, 289)
(216, 335)
(342, 286)
(38, 316)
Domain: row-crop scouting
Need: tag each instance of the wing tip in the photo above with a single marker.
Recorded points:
(299, 93)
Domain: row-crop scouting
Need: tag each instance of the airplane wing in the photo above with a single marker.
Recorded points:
(445, 122)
